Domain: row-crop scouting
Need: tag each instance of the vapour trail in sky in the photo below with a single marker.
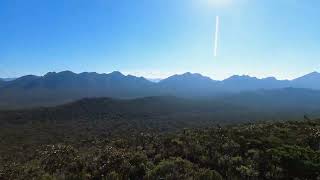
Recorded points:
(216, 36)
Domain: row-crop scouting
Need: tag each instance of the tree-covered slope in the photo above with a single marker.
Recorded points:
(278, 150)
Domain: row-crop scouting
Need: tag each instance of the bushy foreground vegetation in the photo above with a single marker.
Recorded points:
(277, 150)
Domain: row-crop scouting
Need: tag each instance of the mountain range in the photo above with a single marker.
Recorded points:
(57, 88)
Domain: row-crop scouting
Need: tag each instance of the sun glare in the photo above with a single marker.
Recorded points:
(219, 3)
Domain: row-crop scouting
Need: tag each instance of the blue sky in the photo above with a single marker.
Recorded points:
(158, 38)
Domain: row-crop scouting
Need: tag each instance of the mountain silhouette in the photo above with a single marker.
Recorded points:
(57, 88)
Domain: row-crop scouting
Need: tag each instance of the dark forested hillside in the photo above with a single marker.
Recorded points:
(48, 149)
(114, 117)
(156, 138)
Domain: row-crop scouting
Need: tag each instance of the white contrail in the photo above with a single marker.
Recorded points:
(216, 36)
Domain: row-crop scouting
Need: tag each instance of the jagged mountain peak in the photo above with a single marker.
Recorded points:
(62, 73)
(270, 78)
(116, 73)
(187, 76)
(240, 77)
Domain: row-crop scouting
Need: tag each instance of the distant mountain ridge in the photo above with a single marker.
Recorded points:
(244, 83)
(57, 88)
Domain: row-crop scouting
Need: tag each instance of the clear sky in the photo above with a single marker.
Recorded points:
(157, 38)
